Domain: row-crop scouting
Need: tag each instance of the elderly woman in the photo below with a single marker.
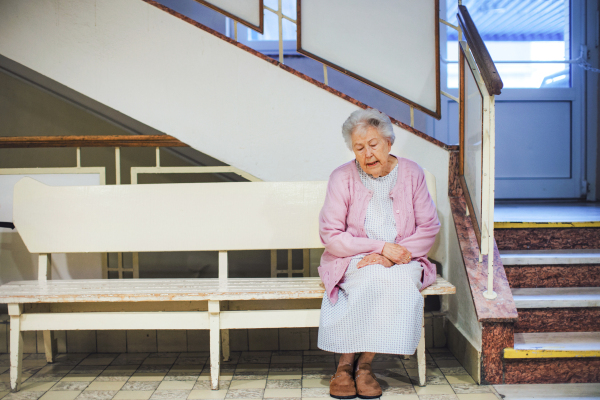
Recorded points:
(377, 224)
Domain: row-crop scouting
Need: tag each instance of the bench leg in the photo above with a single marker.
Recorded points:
(16, 346)
(225, 345)
(215, 336)
(49, 346)
(421, 363)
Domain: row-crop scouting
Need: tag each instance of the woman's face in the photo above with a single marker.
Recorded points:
(372, 152)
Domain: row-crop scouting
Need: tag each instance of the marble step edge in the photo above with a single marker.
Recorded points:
(549, 390)
(555, 345)
(550, 257)
(561, 297)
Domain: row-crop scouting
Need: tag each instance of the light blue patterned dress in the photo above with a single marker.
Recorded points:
(379, 309)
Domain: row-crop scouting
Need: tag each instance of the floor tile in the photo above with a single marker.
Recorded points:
(23, 396)
(46, 377)
(434, 389)
(438, 397)
(248, 384)
(146, 377)
(448, 364)
(133, 395)
(97, 361)
(60, 395)
(170, 395)
(464, 388)
(283, 375)
(454, 371)
(96, 395)
(105, 386)
(164, 355)
(392, 382)
(315, 383)
(276, 393)
(399, 397)
(159, 361)
(398, 390)
(315, 392)
(245, 394)
(286, 359)
(205, 385)
(478, 396)
(284, 384)
(316, 375)
(207, 394)
(453, 379)
(36, 386)
(140, 385)
(176, 385)
(75, 386)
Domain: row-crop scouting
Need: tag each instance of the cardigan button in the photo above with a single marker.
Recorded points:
(397, 211)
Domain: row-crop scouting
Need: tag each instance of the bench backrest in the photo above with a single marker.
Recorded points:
(170, 217)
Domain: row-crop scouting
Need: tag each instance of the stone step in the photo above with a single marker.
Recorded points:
(555, 344)
(561, 297)
(547, 238)
(554, 391)
(572, 319)
(560, 357)
(550, 257)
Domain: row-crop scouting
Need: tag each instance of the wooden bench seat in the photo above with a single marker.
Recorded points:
(183, 217)
(127, 290)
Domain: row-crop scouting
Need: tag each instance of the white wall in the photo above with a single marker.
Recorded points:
(178, 79)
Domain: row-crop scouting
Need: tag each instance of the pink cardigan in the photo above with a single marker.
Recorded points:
(341, 221)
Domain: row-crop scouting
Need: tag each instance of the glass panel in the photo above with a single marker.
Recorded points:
(518, 30)
(473, 141)
(272, 25)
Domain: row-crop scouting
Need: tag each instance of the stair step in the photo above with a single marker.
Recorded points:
(550, 257)
(561, 297)
(555, 345)
(554, 391)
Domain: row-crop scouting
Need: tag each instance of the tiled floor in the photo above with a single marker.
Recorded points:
(249, 375)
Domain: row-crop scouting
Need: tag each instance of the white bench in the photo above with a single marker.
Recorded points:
(182, 217)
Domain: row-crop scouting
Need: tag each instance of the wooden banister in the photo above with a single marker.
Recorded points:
(91, 141)
(488, 70)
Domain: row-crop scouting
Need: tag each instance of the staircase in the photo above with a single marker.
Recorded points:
(554, 275)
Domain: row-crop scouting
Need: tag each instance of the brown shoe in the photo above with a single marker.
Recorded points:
(341, 385)
(366, 385)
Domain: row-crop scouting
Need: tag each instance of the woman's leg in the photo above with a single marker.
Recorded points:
(365, 358)
(346, 359)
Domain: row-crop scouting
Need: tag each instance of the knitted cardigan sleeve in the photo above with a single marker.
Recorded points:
(333, 226)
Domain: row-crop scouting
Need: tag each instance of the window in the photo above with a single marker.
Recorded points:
(269, 41)
(522, 31)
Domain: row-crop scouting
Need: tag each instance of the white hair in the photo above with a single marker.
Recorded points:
(360, 120)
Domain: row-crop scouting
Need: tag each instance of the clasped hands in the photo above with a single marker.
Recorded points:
(391, 254)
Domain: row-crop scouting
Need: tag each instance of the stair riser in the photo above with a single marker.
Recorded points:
(546, 276)
(547, 238)
(541, 370)
(584, 319)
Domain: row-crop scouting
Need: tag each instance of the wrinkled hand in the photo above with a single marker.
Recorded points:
(396, 253)
(374, 258)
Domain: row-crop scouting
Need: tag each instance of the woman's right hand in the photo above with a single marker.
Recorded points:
(396, 253)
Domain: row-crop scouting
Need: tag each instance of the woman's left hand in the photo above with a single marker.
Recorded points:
(374, 258)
